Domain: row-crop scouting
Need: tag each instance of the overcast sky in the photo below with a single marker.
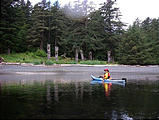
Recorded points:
(130, 9)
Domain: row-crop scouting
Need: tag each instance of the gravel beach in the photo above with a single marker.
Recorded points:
(76, 72)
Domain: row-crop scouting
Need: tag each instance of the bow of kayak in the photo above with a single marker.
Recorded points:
(97, 79)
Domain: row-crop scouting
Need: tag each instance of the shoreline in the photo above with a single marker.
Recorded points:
(76, 72)
(72, 65)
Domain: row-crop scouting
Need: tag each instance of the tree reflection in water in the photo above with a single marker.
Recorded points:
(48, 96)
(58, 99)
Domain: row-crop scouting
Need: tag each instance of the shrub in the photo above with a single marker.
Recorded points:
(40, 53)
(30, 54)
(65, 62)
(71, 62)
(49, 62)
(93, 62)
(37, 62)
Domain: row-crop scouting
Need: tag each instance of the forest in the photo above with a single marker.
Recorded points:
(78, 31)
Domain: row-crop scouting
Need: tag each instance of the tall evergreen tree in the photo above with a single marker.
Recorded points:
(57, 24)
(151, 29)
(131, 46)
(77, 35)
(112, 25)
(39, 25)
(23, 23)
(12, 19)
(96, 35)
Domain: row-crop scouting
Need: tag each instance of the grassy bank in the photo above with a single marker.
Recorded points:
(40, 57)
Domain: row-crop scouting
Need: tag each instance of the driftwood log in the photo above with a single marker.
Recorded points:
(1, 59)
(64, 55)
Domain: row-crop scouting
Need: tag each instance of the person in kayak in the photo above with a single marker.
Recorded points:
(106, 74)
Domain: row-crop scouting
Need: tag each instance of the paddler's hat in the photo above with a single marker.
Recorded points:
(106, 70)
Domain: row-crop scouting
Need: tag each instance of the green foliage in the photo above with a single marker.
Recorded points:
(37, 62)
(139, 43)
(65, 61)
(28, 57)
(40, 53)
(112, 25)
(93, 62)
(14, 26)
(26, 28)
(49, 62)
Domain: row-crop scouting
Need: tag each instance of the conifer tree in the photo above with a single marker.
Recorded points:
(111, 25)
(39, 25)
(151, 44)
(131, 46)
(12, 20)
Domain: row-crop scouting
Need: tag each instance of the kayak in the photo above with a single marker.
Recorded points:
(100, 80)
(93, 82)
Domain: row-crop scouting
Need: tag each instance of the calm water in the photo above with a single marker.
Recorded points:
(66, 93)
(52, 100)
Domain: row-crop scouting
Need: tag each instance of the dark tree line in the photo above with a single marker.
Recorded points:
(140, 43)
(79, 31)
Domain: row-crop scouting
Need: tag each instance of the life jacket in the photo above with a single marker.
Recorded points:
(106, 75)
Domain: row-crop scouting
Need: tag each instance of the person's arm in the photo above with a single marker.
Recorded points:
(101, 76)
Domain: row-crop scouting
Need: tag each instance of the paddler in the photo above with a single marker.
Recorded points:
(106, 74)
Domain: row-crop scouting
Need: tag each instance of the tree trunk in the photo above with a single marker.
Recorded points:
(90, 55)
(41, 45)
(82, 56)
(48, 51)
(112, 59)
(109, 56)
(8, 51)
(76, 55)
(42, 41)
(56, 52)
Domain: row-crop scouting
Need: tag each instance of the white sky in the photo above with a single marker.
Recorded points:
(130, 9)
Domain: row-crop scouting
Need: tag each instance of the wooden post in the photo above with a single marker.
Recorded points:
(56, 52)
(48, 51)
(109, 56)
(90, 55)
(76, 55)
(82, 56)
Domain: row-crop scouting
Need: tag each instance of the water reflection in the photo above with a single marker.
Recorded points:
(48, 96)
(0, 87)
(77, 90)
(126, 117)
(107, 88)
(53, 99)
(56, 92)
(114, 115)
